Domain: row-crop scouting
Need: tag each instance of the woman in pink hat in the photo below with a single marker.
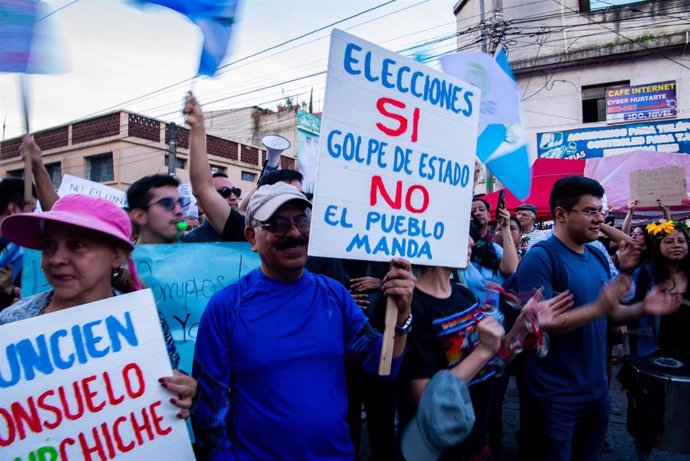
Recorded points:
(85, 255)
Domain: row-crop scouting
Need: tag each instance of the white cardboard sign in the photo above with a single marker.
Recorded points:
(667, 184)
(76, 185)
(82, 383)
(396, 159)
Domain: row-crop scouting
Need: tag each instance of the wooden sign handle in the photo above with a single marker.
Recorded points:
(388, 338)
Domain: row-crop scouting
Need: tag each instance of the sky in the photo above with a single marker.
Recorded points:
(120, 54)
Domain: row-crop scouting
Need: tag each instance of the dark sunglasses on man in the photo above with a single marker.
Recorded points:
(225, 192)
(169, 203)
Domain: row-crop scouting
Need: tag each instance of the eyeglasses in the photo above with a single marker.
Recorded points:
(169, 203)
(281, 226)
(671, 242)
(225, 192)
(590, 214)
(635, 235)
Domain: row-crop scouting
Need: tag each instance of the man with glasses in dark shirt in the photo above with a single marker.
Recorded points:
(156, 208)
(215, 193)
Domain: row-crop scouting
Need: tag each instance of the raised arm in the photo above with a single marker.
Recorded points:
(665, 210)
(614, 234)
(510, 259)
(44, 186)
(627, 222)
(216, 208)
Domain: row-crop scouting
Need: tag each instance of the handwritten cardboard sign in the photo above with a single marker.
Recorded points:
(396, 161)
(76, 185)
(667, 184)
(180, 277)
(82, 383)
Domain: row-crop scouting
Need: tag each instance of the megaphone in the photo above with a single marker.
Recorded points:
(275, 144)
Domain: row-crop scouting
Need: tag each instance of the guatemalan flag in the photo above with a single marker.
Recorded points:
(215, 18)
(501, 146)
(28, 41)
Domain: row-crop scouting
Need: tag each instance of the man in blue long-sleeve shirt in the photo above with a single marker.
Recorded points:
(270, 349)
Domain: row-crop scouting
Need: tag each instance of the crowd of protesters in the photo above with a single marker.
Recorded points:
(286, 358)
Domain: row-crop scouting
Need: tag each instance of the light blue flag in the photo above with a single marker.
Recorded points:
(215, 19)
(17, 19)
(501, 145)
(28, 42)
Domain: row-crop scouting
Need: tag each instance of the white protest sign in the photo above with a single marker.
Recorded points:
(82, 383)
(76, 185)
(190, 207)
(396, 161)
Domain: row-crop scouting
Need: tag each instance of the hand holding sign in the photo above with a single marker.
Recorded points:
(184, 386)
(398, 286)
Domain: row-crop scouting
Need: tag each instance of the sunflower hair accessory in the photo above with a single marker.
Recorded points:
(660, 230)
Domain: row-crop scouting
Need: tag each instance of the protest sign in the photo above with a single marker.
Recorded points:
(667, 184)
(189, 202)
(396, 161)
(76, 185)
(82, 383)
(181, 278)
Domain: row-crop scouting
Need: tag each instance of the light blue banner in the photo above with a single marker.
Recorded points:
(183, 277)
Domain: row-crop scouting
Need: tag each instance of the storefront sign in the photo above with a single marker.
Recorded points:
(641, 102)
(668, 136)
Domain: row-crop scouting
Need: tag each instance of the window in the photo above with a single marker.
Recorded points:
(248, 176)
(99, 168)
(594, 101)
(594, 5)
(218, 169)
(180, 163)
(55, 173)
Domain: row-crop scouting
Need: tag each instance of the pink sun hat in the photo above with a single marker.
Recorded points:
(96, 214)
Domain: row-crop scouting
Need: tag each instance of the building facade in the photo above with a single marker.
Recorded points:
(118, 148)
(249, 124)
(596, 78)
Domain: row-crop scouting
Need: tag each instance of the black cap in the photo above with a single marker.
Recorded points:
(527, 206)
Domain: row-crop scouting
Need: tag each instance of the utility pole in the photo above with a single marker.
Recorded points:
(172, 149)
(493, 32)
(482, 17)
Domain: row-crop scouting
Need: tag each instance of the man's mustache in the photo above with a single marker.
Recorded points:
(290, 242)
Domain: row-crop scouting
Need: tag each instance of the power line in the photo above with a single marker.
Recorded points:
(152, 93)
(626, 38)
(56, 10)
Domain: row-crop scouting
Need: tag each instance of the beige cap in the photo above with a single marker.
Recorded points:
(267, 199)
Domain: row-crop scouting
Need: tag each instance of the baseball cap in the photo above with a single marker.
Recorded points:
(96, 214)
(267, 199)
(528, 207)
(444, 418)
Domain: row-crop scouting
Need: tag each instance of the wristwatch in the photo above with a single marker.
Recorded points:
(406, 327)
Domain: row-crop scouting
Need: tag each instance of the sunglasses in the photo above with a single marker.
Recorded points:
(281, 226)
(169, 203)
(225, 192)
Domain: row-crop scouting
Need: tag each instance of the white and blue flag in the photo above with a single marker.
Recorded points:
(501, 145)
